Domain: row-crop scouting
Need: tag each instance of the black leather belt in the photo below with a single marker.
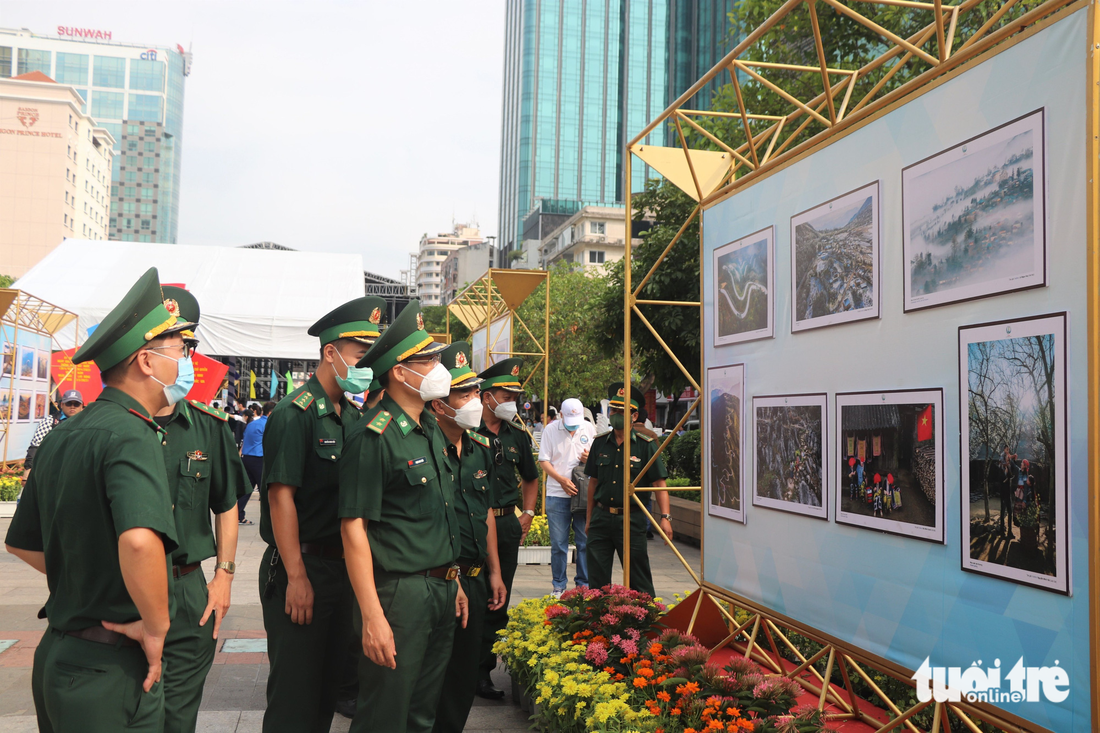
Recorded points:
(470, 571)
(100, 635)
(504, 511)
(610, 509)
(178, 571)
(445, 572)
(326, 551)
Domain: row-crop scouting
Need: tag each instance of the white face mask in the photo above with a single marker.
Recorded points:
(434, 385)
(506, 411)
(468, 416)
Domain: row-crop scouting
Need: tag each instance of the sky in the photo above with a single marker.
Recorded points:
(323, 126)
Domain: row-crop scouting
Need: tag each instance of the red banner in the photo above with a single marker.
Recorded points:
(209, 375)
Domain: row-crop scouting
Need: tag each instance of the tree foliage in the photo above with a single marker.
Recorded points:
(676, 279)
(577, 367)
(435, 321)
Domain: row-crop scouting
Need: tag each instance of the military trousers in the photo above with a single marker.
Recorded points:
(460, 681)
(188, 654)
(306, 659)
(421, 615)
(83, 686)
(605, 540)
(508, 537)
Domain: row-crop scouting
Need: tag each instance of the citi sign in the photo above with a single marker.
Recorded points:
(90, 33)
(149, 55)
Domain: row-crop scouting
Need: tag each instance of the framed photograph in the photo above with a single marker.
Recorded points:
(723, 442)
(744, 289)
(6, 351)
(26, 406)
(40, 402)
(43, 366)
(790, 433)
(974, 217)
(26, 362)
(835, 261)
(889, 473)
(5, 405)
(1014, 430)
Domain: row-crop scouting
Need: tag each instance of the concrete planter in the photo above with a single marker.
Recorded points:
(686, 519)
(540, 555)
(7, 509)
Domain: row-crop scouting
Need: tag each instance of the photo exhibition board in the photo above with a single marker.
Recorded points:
(897, 596)
(25, 382)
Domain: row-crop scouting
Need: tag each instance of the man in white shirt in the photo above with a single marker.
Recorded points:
(565, 444)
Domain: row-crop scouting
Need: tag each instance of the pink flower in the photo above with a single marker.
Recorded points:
(596, 653)
(557, 610)
(608, 619)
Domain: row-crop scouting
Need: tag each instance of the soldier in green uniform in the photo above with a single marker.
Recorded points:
(401, 534)
(470, 461)
(205, 474)
(605, 494)
(96, 518)
(304, 587)
(514, 462)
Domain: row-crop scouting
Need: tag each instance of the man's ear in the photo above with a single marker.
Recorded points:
(144, 362)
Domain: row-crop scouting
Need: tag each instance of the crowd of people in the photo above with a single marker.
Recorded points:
(392, 531)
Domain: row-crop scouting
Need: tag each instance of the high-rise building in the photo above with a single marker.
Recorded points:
(55, 171)
(136, 93)
(433, 253)
(581, 77)
(699, 36)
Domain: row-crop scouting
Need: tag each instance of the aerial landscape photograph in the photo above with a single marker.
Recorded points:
(789, 471)
(743, 300)
(970, 217)
(835, 255)
(727, 393)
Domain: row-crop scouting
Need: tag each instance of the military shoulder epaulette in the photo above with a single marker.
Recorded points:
(478, 438)
(212, 411)
(304, 400)
(644, 437)
(146, 418)
(380, 422)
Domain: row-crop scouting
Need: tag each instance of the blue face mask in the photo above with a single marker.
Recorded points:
(358, 379)
(185, 379)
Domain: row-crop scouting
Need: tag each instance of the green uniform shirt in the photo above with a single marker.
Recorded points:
(97, 474)
(473, 493)
(605, 464)
(394, 475)
(517, 462)
(303, 442)
(205, 474)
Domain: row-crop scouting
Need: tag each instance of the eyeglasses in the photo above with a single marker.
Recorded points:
(498, 451)
(433, 359)
(188, 349)
(72, 404)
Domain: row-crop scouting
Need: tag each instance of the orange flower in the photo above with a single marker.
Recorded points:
(619, 678)
(640, 682)
(663, 696)
(645, 672)
(676, 711)
(654, 710)
(716, 725)
(692, 687)
(733, 712)
(661, 679)
(714, 702)
(609, 670)
(689, 730)
(655, 648)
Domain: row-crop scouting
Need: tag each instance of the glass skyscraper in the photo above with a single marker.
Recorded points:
(581, 78)
(136, 92)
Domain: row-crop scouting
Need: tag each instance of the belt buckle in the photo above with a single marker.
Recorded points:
(452, 572)
(474, 571)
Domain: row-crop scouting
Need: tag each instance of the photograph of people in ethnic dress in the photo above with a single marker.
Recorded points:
(1013, 423)
(890, 462)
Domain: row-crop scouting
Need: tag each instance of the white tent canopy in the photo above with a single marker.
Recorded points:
(254, 302)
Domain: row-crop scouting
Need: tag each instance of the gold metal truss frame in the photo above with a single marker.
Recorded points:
(21, 311)
(709, 176)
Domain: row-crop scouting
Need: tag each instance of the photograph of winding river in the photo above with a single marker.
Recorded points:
(789, 471)
(835, 254)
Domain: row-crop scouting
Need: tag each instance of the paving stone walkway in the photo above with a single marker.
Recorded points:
(234, 697)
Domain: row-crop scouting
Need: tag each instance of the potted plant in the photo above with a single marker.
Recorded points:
(11, 483)
(536, 547)
(1029, 526)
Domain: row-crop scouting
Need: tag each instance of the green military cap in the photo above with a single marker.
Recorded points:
(616, 394)
(405, 338)
(357, 319)
(186, 306)
(503, 375)
(140, 317)
(456, 358)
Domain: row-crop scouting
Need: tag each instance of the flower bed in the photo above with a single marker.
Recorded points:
(597, 660)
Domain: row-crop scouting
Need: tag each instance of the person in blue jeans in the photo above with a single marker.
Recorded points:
(564, 446)
(252, 453)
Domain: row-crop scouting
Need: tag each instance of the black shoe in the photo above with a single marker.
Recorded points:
(649, 534)
(346, 707)
(486, 689)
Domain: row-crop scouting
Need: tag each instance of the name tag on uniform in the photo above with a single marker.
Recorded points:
(327, 441)
(417, 461)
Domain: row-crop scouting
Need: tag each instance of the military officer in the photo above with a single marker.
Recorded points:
(470, 463)
(513, 461)
(401, 534)
(205, 474)
(605, 493)
(304, 587)
(96, 518)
